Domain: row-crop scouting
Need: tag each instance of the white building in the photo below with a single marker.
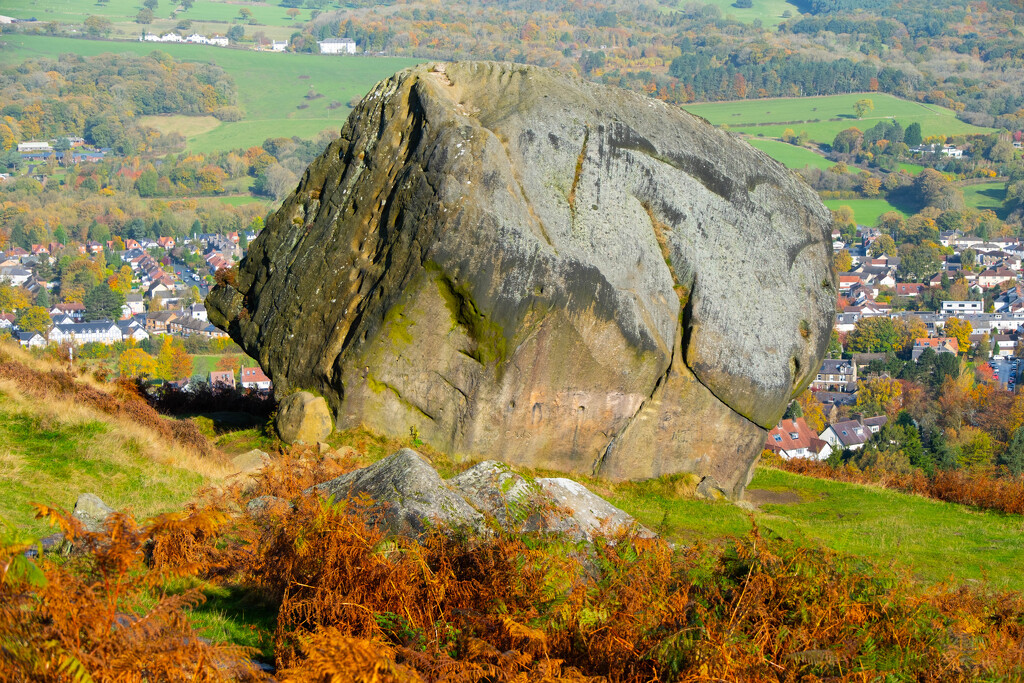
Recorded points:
(337, 46)
(15, 274)
(278, 45)
(32, 340)
(255, 378)
(34, 146)
(220, 41)
(103, 331)
(960, 307)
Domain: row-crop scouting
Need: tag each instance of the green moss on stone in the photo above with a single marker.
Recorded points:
(489, 341)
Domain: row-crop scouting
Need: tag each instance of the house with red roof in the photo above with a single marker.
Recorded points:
(222, 379)
(909, 288)
(255, 378)
(938, 344)
(794, 439)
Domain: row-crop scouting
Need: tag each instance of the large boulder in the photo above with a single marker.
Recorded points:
(303, 418)
(525, 266)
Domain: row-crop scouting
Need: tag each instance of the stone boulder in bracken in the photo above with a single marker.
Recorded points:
(303, 418)
(525, 266)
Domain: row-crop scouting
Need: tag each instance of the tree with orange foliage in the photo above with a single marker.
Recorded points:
(880, 395)
(960, 330)
(173, 361)
(136, 363)
(814, 416)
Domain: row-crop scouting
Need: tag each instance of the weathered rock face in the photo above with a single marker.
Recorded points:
(525, 266)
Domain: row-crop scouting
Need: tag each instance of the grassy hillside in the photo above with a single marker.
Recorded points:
(271, 86)
(771, 117)
(865, 211)
(789, 155)
(935, 540)
(986, 196)
(54, 445)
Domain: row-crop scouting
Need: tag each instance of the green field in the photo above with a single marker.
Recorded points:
(768, 12)
(789, 155)
(239, 201)
(771, 117)
(271, 86)
(208, 17)
(912, 169)
(865, 211)
(935, 540)
(986, 196)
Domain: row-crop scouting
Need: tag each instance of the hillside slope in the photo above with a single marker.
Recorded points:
(62, 435)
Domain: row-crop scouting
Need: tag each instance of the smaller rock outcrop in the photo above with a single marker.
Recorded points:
(410, 495)
(246, 466)
(303, 418)
(587, 515)
(411, 498)
(264, 505)
(514, 502)
(92, 512)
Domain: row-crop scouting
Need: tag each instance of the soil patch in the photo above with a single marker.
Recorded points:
(759, 497)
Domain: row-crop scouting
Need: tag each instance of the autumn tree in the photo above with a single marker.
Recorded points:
(880, 395)
(960, 330)
(136, 363)
(976, 448)
(810, 407)
(870, 186)
(882, 335)
(883, 245)
(35, 319)
(862, 107)
(293, 12)
(13, 298)
(843, 261)
(173, 361)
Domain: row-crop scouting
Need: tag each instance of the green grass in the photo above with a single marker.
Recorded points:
(771, 117)
(204, 364)
(789, 155)
(936, 540)
(986, 196)
(51, 461)
(188, 126)
(768, 12)
(271, 86)
(239, 201)
(865, 211)
(912, 169)
(207, 16)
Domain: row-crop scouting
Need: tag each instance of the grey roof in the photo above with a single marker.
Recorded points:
(85, 328)
(840, 366)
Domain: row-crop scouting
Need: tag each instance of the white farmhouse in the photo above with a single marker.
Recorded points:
(337, 46)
